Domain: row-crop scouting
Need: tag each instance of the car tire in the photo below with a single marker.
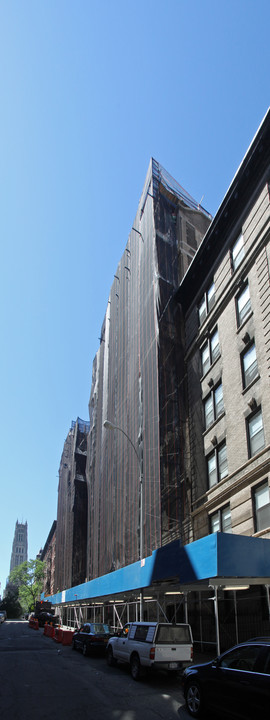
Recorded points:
(110, 658)
(84, 649)
(194, 699)
(135, 667)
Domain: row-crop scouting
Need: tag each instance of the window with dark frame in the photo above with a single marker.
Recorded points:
(206, 303)
(255, 433)
(217, 465)
(210, 351)
(249, 365)
(261, 506)
(213, 405)
(220, 521)
(243, 305)
(237, 252)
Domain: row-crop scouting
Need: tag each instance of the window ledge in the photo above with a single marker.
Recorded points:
(262, 532)
(240, 328)
(217, 483)
(246, 389)
(211, 367)
(210, 428)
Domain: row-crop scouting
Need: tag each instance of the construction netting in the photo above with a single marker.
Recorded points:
(137, 385)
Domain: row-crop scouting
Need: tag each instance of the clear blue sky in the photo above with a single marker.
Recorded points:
(89, 91)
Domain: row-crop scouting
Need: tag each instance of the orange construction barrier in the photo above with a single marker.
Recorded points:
(58, 636)
(51, 631)
(67, 637)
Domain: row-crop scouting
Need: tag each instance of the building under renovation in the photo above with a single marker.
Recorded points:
(175, 505)
(136, 474)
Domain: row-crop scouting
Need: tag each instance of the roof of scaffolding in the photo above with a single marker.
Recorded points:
(213, 560)
(163, 177)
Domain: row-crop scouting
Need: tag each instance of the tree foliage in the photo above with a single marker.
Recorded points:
(11, 603)
(28, 577)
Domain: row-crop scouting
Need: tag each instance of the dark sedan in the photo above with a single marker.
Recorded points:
(91, 636)
(236, 684)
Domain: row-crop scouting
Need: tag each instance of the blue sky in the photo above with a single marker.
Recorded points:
(89, 91)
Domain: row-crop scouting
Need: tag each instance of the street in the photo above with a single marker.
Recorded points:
(42, 679)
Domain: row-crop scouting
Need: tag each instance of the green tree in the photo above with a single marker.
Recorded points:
(28, 577)
(11, 603)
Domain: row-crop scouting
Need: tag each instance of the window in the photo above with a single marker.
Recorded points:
(238, 252)
(213, 406)
(206, 303)
(255, 433)
(261, 505)
(217, 465)
(210, 351)
(221, 520)
(243, 305)
(249, 365)
(141, 632)
(191, 236)
(243, 658)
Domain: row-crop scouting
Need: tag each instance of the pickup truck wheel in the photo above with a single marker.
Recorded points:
(135, 667)
(194, 699)
(110, 659)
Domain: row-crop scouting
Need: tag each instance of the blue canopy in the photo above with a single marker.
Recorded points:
(216, 557)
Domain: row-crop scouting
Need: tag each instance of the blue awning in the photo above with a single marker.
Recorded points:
(216, 556)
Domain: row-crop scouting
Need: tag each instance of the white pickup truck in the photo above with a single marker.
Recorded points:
(152, 645)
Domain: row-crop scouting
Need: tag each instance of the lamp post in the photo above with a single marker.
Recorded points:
(110, 426)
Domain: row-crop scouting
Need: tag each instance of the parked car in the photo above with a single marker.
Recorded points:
(237, 683)
(2, 617)
(152, 645)
(91, 636)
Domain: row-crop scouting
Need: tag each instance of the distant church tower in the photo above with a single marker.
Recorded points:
(20, 546)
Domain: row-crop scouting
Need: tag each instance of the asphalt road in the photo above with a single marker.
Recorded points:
(43, 680)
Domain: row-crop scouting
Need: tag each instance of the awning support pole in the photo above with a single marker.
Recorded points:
(268, 598)
(236, 616)
(216, 619)
(186, 607)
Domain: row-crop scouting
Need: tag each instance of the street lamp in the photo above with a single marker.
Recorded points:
(110, 426)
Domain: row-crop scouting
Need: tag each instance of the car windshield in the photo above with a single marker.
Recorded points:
(100, 628)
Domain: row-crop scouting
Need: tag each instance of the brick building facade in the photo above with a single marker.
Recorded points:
(225, 299)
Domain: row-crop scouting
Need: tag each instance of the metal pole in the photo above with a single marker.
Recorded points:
(235, 615)
(268, 599)
(216, 619)
(186, 607)
(110, 426)
(141, 535)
